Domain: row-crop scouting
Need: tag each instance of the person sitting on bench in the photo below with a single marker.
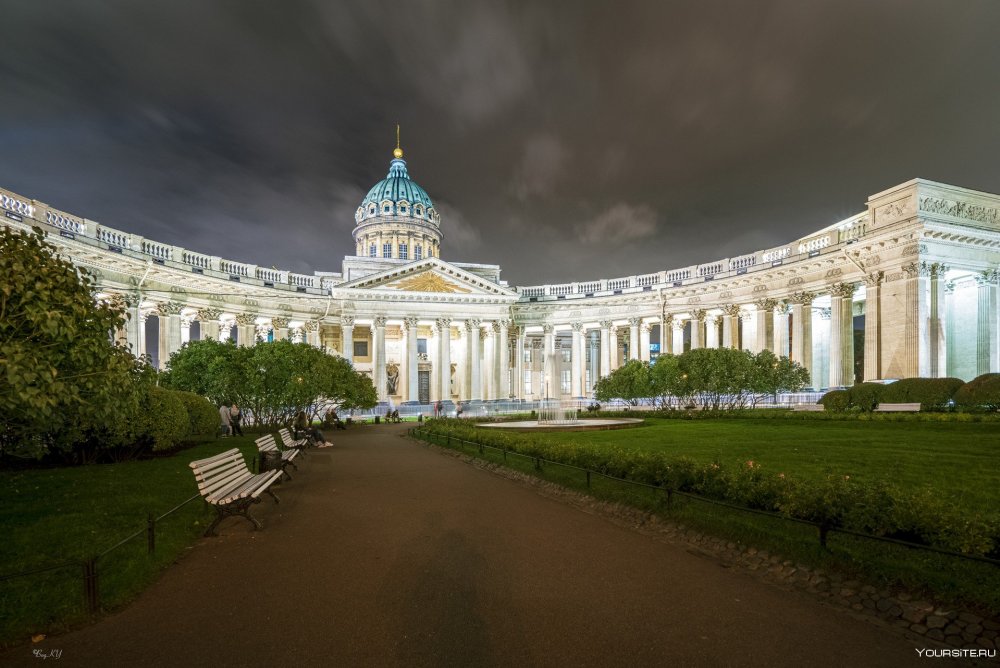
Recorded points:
(304, 429)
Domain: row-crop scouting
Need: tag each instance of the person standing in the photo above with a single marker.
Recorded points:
(225, 419)
(236, 419)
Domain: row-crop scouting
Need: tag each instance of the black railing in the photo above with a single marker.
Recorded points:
(667, 495)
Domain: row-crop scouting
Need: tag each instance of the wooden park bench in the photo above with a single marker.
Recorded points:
(898, 408)
(298, 444)
(269, 450)
(226, 483)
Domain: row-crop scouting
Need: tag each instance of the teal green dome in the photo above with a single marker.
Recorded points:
(397, 195)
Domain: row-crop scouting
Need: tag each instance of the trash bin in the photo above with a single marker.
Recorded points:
(377, 418)
(420, 418)
(270, 461)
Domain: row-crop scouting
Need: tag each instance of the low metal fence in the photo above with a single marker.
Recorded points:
(89, 568)
(666, 496)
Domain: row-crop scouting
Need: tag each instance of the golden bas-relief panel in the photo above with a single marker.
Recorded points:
(427, 282)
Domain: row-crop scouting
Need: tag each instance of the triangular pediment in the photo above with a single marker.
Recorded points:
(431, 275)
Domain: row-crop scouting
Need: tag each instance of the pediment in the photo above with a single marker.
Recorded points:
(429, 276)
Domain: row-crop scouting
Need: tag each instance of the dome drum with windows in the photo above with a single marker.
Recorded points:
(397, 219)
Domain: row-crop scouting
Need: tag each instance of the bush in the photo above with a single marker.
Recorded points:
(865, 396)
(931, 393)
(163, 420)
(980, 393)
(203, 417)
(836, 400)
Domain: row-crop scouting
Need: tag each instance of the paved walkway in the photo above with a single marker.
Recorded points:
(385, 553)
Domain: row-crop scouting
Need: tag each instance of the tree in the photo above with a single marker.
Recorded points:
(199, 367)
(62, 379)
(629, 382)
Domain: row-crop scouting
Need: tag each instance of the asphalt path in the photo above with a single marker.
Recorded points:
(386, 553)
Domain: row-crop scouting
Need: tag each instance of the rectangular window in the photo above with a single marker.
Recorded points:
(421, 346)
(566, 355)
(386, 250)
(418, 252)
(527, 383)
(373, 251)
(527, 355)
(361, 349)
(566, 382)
(403, 252)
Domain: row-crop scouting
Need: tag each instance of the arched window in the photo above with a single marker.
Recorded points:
(371, 210)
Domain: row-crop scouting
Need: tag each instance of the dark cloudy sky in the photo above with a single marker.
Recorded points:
(561, 140)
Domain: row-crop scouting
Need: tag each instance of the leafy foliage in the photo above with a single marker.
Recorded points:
(271, 381)
(710, 378)
(980, 393)
(163, 420)
(203, 417)
(931, 393)
(62, 380)
(865, 397)
(836, 400)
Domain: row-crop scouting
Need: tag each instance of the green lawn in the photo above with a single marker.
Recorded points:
(958, 459)
(73, 513)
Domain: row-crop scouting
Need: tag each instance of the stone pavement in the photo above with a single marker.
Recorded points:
(386, 553)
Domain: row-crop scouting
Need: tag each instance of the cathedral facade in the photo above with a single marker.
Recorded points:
(907, 287)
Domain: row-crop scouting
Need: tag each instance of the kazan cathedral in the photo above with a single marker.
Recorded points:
(907, 287)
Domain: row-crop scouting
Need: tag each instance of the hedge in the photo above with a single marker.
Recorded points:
(163, 420)
(203, 417)
(865, 397)
(930, 393)
(836, 400)
(838, 501)
(980, 393)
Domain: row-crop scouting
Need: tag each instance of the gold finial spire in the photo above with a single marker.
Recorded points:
(398, 152)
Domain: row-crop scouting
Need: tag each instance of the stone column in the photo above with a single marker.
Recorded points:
(781, 341)
(820, 371)
(711, 331)
(594, 345)
(873, 326)
(280, 327)
(311, 328)
(473, 329)
(644, 331)
(132, 316)
(730, 326)
(633, 338)
(605, 350)
(503, 340)
(916, 357)
(488, 342)
(951, 325)
(208, 323)
(170, 330)
(697, 324)
(986, 322)
(746, 339)
(801, 344)
(548, 370)
(246, 329)
(936, 326)
(576, 358)
(519, 363)
(412, 375)
(185, 329)
(764, 324)
(678, 328)
(841, 335)
(444, 357)
(379, 358)
(141, 334)
(226, 330)
(347, 337)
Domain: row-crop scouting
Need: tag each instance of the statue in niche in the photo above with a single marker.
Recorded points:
(451, 381)
(391, 377)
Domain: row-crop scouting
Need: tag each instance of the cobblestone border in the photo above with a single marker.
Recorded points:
(944, 626)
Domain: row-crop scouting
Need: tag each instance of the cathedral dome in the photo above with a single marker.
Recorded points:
(397, 219)
(397, 195)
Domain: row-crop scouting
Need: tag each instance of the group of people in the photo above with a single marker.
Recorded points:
(231, 420)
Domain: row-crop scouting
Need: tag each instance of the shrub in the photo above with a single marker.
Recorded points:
(931, 393)
(203, 417)
(865, 396)
(836, 400)
(163, 420)
(980, 393)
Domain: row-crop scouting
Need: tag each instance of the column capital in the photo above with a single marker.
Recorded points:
(606, 324)
(845, 290)
(410, 323)
(781, 308)
(678, 324)
(802, 298)
(347, 321)
(577, 326)
(279, 323)
(169, 308)
(988, 277)
(766, 304)
(913, 269)
(473, 324)
(646, 327)
(380, 321)
(698, 314)
(874, 279)
(634, 322)
(504, 323)
(547, 328)
(935, 269)
(208, 314)
(442, 324)
(311, 325)
(731, 309)
(246, 319)
(746, 316)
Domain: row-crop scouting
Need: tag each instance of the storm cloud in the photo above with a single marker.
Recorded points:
(563, 141)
